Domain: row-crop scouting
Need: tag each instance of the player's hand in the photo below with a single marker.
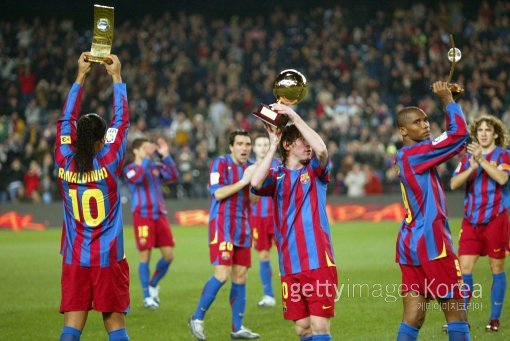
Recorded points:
(248, 174)
(285, 110)
(163, 148)
(275, 134)
(442, 90)
(473, 165)
(475, 150)
(83, 68)
(113, 69)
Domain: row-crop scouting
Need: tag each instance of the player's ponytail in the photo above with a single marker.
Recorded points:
(91, 128)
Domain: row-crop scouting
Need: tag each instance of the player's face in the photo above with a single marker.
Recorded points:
(301, 150)
(145, 150)
(261, 147)
(241, 149)
(485, 135)
(417, 127)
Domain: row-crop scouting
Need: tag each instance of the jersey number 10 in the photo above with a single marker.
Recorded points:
(85, 205)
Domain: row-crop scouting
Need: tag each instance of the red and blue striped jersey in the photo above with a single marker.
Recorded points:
(92, 228)
(424, 233)
(303, 236)
(485, 198)
(229, 218)
(144, 182)
(264, 206)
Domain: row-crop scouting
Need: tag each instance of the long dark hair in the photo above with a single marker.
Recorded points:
(91, 128)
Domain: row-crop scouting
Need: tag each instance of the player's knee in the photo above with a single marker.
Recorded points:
(303, 328)
(264, 256)
(320, 326)
(222, 274)
(415, 320)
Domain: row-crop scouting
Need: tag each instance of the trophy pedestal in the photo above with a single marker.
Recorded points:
(271, 117)
(94, 59)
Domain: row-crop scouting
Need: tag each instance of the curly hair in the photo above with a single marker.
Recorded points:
(289, 135)
(90, 129)
(499, 129)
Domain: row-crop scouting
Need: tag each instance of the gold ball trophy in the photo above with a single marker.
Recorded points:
(103, 35)
(289, 88)
(454, 55)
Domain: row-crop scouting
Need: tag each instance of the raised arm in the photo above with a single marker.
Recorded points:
(116, 135)
(168, 168)
(316, 142)
(426, 155)
(275, 134)
(66, 125)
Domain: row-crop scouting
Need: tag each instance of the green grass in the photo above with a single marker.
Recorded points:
(30, 291)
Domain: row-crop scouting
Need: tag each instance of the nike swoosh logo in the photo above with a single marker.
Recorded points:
(326, 307)
(202, 309)
(498, 303)
(497, 250)
(279, 177)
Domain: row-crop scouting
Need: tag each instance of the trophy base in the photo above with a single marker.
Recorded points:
(271, 117)
(93, 59)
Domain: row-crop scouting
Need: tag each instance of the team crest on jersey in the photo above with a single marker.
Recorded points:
(305, 178)
(155, 172)
(65, 139)
(225, 255)
(493, 163)
(111, 134)
(143, 241)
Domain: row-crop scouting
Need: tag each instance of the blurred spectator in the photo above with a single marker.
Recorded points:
(373, 183)
(355, 181)
(32, 182)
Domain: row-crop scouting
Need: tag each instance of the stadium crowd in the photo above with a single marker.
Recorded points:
(192, 79)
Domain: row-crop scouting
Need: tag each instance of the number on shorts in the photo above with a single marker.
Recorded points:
(85, 205)
(226, 246)
(457, 266)
(143, 231)
(285, 290)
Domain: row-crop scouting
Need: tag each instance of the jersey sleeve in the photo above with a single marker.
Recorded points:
(66, 124)
(116, 135)
(168, 169)
(136, 173)
(269, 185)
(504, 163)
(463, 165)
(323, 174)
(218, 175)
(431, 153)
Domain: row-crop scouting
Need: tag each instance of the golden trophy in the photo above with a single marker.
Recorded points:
(289, 88)
(103, 35)
(454, 55)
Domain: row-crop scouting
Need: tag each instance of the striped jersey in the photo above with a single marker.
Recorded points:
(302, 232)
(485, 198)
(264, 206)
(229, 218)
(144, 182)
(424, 233)
(92, 228)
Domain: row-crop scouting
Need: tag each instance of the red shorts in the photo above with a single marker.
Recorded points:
(263, 232)
(104, 289)
(225, 253)
(439, 278)
(311, 292)
(490, 239)
(151, 233)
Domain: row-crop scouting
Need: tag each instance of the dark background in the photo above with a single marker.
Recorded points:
(81, 11)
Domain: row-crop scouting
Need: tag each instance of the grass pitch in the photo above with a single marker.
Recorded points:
(369, 307)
